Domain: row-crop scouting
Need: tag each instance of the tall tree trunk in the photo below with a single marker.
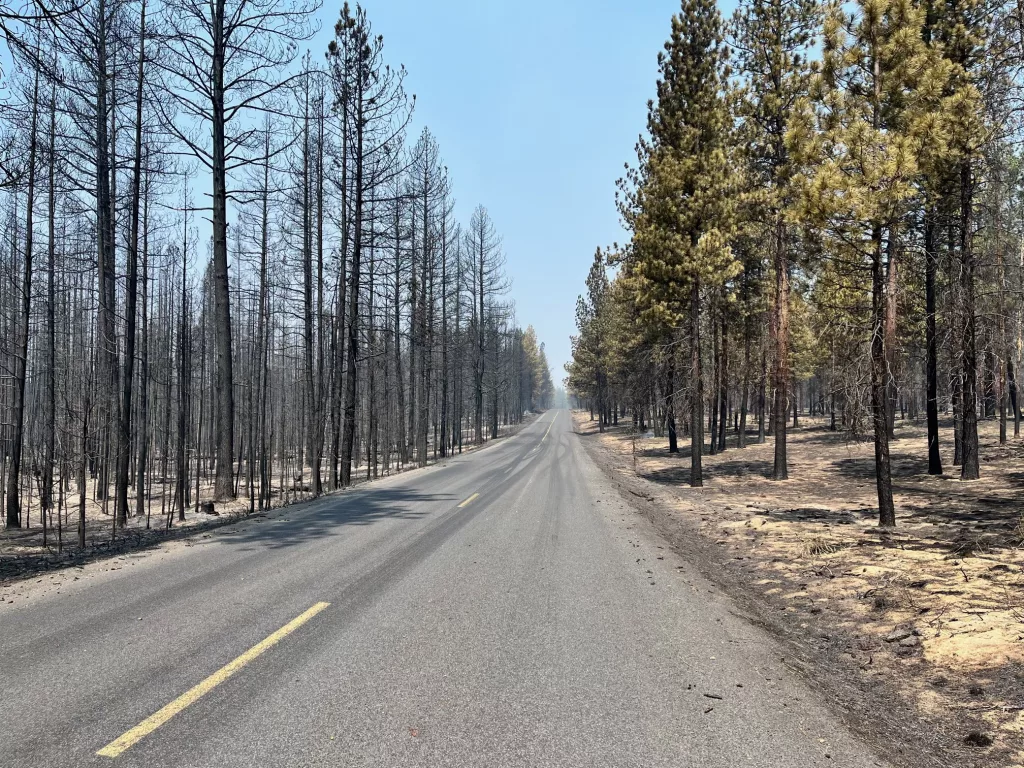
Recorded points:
(931, 344)
(263, 329)
(83, 449)
(124, 443)
(480, 347)
(1002, 375)
(741, 441)
(762, 393)
(400, 432)
(970, 469)
(141, 470)
(184, 387)
(319, 424)
(697, 390)
(423, 390)
(339, 322)
(494, 377)
(883, 472)
(106, 360)
(349, 437)
(716, 372)
(890, 332)
(225, 381)
(21, 356)
(723, 379)
(46, 495)
(1011, 386)
(670, 402)
(780, 328)
(312, 406)
(444, 330)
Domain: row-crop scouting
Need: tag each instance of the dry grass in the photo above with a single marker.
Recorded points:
(952, 570)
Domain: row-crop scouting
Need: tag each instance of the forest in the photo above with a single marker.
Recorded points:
(229, 270)
(825, 217)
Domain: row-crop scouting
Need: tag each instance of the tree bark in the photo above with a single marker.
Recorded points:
(780, 328)
(931, 345)
(141, 470)
(883, 472)
(697, 390)
(225, 383)
(124, 443)
(670, 403)
(349, 436)
(891, 277)
(21, 356)
(970, 469)
(723, 379)
(46, 495)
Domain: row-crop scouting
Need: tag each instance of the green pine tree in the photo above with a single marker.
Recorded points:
(772, 40)
(860, 143)
(960, 36)
(680, 206)
(588, 372)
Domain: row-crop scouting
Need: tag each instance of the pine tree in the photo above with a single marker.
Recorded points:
(771, 39)
(961, 36)
(681, 210)
(860, 146)
(589, 372)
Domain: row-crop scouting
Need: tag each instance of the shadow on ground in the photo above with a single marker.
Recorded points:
(330, 515)
(281, 527)
(948, 516)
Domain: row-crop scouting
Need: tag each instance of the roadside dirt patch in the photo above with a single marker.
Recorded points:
(926, 622)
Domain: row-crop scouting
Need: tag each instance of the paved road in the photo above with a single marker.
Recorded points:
(504, 609)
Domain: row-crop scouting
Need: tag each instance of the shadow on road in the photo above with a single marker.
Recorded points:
(330, 515)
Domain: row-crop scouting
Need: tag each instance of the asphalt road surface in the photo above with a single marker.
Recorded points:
(505, 608)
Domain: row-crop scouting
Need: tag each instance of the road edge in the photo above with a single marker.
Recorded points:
(877, 714)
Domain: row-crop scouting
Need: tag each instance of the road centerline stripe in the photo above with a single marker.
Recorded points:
(551, 424)
(154, 721)
(469, 500)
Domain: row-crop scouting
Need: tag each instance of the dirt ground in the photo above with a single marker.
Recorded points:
(930, 617)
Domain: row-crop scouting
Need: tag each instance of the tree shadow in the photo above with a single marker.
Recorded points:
(328, 516)
(863, 468)
(281, 527)
(822, 515)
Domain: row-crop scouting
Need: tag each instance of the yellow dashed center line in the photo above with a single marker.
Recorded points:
(154, 721)
(469, 500)
(549, 428)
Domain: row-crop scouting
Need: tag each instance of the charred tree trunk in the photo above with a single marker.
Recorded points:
(931, 345)
(723, 379)
(349, 437)
(970, 469)
(883, 474)
(780, 328)
(225, 380)
(141, 470)
(697, 390)
(46, 494)
(124, 443)
(13, 504)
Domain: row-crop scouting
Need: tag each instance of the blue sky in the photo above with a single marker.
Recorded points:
(536, 107)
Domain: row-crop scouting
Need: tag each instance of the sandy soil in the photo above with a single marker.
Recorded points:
(934, 610)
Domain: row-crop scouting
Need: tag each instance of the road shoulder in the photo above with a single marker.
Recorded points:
(864, 683)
